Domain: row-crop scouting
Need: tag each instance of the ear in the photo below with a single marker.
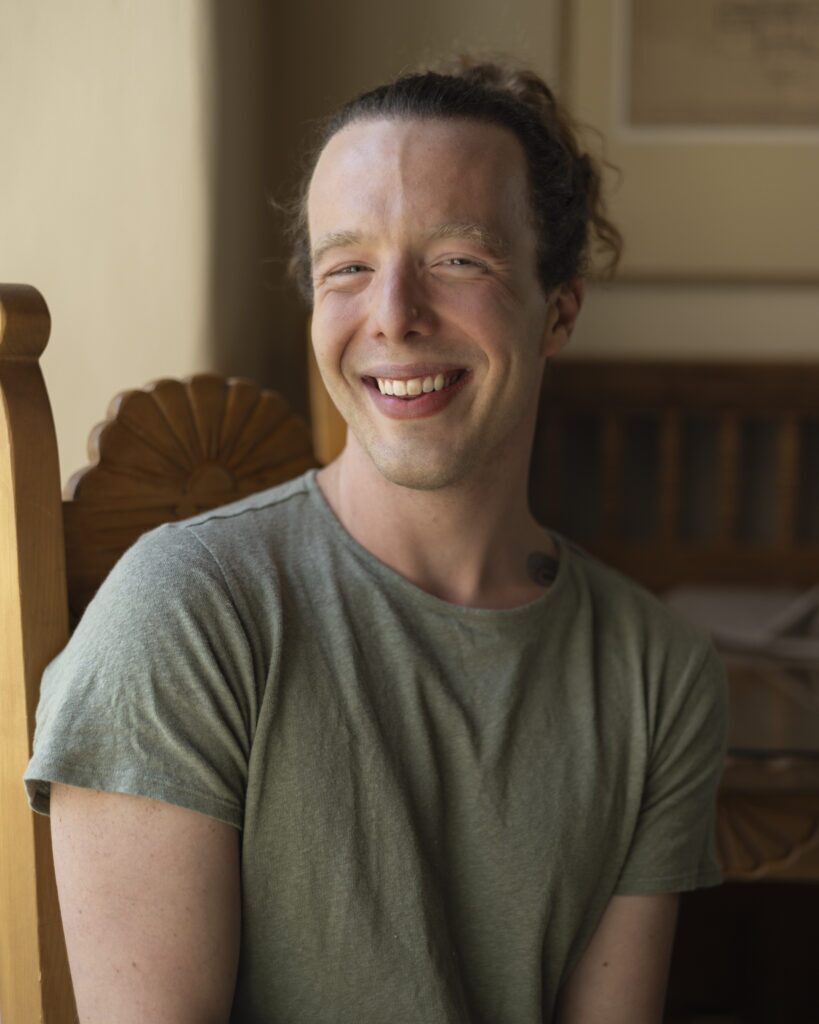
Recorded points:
(563, 311)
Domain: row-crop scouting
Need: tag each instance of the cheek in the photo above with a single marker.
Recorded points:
(330, 316)
(495, 317)
(331, 329)
(481, 315)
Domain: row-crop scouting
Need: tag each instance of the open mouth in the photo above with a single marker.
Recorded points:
(415, 387)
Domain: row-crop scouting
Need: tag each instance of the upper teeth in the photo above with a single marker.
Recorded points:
(405, 388)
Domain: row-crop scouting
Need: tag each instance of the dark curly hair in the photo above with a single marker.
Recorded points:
(565, 183)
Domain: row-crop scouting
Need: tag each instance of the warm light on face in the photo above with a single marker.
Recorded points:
(488, 240)
(424, 265)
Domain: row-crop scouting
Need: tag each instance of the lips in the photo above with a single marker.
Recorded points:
(419, 406)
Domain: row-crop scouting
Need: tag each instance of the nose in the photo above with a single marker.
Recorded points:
(400, 309)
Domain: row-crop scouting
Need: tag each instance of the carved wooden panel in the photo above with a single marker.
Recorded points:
(166, 452)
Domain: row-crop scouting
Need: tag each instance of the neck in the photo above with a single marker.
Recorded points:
(470, 543)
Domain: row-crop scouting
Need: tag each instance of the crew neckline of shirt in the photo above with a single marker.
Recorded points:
(437, 604)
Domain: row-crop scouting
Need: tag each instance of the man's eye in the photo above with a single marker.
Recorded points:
(346, 270)
(462, 261)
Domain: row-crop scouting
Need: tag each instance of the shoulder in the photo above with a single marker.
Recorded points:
(249, 528)
(202, 547)
(664, 669)
(635, 624)
(280, 501)
(199, 558)
(623, 598)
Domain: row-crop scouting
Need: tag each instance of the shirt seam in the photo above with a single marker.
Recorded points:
(215, 514)
(57, 765)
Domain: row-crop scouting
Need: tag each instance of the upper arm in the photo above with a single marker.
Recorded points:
(150, 901)
(622, 974)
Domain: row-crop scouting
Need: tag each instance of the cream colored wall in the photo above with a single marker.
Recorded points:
(714, 322)
(105, 184)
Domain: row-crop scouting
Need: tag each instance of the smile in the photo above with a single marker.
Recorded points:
(417, 385)
(415, 397)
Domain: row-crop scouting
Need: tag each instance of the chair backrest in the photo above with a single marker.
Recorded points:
(683, 472)
(164, 452)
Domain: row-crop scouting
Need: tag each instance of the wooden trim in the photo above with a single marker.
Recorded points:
(659, 566)
(612, 469)
(653, 386)
(670, 456)
(35, 983)
(787, 483)
(729, 454)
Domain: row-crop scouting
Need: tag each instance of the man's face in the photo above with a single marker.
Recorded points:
(424, 275)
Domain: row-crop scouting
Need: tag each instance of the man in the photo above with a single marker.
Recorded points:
(375, 745)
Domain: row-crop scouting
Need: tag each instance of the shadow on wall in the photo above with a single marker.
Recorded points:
(277, 69)
(257, 320)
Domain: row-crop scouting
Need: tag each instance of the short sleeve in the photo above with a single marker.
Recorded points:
(674, 843)
(153, 694)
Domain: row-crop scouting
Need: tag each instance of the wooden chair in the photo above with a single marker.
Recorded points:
(164, 452)
(627, 439)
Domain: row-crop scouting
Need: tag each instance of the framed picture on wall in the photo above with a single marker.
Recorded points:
(710, 110)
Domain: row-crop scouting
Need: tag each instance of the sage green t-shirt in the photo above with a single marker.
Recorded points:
(436, 803)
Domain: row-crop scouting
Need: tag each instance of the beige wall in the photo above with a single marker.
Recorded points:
(140, 138)
(105, 182)
(713, 322)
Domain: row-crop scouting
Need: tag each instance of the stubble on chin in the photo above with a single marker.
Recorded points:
(417, 466)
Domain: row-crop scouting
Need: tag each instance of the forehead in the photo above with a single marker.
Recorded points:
(384, 173)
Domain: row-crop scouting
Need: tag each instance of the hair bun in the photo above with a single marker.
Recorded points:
(501, 72)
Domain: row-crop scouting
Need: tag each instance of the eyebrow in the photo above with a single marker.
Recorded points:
(471, 231)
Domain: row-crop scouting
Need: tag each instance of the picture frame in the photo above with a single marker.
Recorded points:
(696, 202)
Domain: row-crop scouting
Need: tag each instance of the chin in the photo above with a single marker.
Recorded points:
(418, 472)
